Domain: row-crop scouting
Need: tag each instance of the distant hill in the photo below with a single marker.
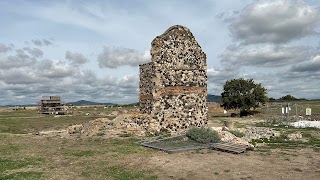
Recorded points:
(84, 102)
(213, 98)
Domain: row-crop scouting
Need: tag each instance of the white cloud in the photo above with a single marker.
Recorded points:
(113, 57)
(18, 76)
(273, 36)
(87, 77)
(221, 75)
(42, 42)
(218, 77)
(269, 48)
(35, 52)
(5, 48)
(76, 58)
(309, 66)
(16, 61)
(277, 21)
(54, 69)
(129, 81)
(265, 55)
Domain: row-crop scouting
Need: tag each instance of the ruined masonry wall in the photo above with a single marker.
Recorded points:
(146, 86)
(177, 84)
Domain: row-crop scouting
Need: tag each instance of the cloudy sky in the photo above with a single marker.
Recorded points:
(91, 49)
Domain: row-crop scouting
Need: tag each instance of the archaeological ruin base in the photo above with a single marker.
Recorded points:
(173, 87)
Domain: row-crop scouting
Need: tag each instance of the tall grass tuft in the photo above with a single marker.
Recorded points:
(203, 135)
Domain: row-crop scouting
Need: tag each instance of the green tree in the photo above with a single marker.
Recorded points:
(243, 95)
(288, 98)
(272, 99)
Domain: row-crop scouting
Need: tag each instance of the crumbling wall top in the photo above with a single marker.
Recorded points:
(177, 48)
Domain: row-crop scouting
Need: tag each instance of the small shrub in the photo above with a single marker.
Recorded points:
(101, 134)
(227, 170)
(203, 135)
(297, 169)
(237, 133)
(125, 134)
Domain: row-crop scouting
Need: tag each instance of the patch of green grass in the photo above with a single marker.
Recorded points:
(100, 134)
(6, 116)
(24, 175)
(283, 141)
(287, 154)
(176, 142)
(240, 125)
(125, 134)
(8, 164)
(126, 147)
(18, 113)
(109, 169)
(27, 121)
(9, 149)
(85, 153)
(278, 142)
(121, 173)
(264, 150)
(311, 140)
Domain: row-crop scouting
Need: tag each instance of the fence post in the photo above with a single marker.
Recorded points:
(266, 118)
(288, 112)
(296, 111)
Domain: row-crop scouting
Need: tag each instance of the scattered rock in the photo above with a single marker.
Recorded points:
(250, 133)
(114, 113)
(75, 129)
(229, 124)
(52, 133)
(259, 133)
(294, 136)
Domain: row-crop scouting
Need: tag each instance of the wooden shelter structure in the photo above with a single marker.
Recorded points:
(51, 105)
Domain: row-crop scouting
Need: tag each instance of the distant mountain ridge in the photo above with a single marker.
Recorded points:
(210, 98)
(84, 102)
(213, 98)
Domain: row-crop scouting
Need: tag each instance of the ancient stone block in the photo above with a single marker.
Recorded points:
(173, 87)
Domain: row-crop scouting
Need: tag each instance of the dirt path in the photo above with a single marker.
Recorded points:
(304, 164)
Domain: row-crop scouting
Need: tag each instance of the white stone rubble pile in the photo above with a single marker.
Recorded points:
(250, 133)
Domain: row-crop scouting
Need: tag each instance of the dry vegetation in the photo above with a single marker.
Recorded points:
(24, 155)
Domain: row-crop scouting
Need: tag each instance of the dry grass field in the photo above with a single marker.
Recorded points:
(25, 155)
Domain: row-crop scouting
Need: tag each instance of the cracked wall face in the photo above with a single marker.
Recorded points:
(173, 87)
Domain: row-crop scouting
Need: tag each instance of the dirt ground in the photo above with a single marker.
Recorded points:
(60, 163)
(97, 157)
(301, 164)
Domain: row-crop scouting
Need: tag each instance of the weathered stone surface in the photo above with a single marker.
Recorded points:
(294, 136)
(75, 129)
(259, 133)
(173, 87)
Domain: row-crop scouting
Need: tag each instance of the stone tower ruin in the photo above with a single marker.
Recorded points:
(173, 87)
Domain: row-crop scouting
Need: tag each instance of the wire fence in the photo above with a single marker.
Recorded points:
(292, 111)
